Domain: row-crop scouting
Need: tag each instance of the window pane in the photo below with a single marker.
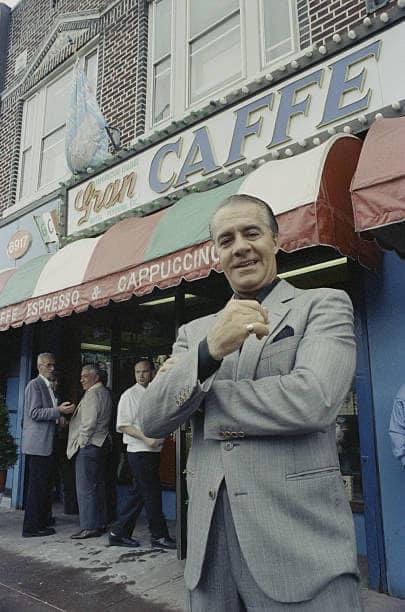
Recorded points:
(29, 122)
(162, 29)
(161, 102)
(57, 103)
(203, 13)
(53, 161)
(277, 28)
(90, 68)
(26, 170)
(215, 58)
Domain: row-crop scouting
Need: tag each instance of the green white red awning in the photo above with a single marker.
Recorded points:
(309, 194)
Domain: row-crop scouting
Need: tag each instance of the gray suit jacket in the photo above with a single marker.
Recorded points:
(265, 422)
(91, 419)
(39, 419)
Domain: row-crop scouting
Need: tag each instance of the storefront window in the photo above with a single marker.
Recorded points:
(348, 445)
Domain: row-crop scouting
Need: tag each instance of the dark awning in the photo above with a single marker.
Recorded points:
(378, 186)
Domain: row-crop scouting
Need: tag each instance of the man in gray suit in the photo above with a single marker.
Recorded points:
(269, 524)
(89, 440)
(41, 413)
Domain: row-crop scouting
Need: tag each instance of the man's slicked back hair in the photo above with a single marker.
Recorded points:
(242, 197)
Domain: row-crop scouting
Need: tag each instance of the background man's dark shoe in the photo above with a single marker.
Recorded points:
(117, 541)
(39, 533)
(164, 543)
(86, 533)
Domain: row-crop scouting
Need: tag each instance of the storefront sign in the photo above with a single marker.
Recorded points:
(352, 83)
(19, 244)
(168, 271)
(46, 224)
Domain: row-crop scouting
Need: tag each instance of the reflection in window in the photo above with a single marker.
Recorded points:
(348, 447)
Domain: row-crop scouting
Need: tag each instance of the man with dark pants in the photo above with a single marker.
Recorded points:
(40, 416)
(269, 524)
(144, 460)
(89, 440)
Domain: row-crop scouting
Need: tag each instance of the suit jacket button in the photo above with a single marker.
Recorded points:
(228, 446)
(212, 494)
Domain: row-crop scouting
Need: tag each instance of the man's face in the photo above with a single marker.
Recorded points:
(46, 367)
(245, 246)
(143, 373)
(88, 378)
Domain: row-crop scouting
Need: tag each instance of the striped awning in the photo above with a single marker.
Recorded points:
(309, 194)
(378, 187)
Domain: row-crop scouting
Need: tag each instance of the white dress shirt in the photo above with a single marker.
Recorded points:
(127, 415)
(51, 393)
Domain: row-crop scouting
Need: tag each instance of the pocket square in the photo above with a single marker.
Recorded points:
(286, 332)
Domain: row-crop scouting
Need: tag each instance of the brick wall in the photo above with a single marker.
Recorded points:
(121, 30)
(327, 17)
(123, 86)
(32, 21)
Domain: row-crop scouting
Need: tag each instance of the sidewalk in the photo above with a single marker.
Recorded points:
(57, 573)
(76, 575)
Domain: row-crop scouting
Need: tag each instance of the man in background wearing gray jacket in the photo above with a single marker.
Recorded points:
(40, 416)
(89, 440)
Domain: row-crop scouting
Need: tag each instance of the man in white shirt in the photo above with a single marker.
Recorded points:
(144, 460)
(41, 413)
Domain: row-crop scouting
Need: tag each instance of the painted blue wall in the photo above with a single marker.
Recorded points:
(385, 305)
(360, 530)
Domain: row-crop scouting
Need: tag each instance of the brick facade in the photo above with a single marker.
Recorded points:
(328, 17)
(120, 30)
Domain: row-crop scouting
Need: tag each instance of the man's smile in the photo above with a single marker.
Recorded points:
(246, 264)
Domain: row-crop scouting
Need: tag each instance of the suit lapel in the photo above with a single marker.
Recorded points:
(277, 304)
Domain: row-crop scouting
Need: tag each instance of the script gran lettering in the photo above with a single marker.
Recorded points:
(92, 199)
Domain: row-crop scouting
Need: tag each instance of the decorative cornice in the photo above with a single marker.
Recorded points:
(75, 32)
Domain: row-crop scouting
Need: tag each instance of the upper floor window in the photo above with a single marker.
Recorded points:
(162, 59)
(276, 29)
(202, 49)
(214, 46)
(42, 162)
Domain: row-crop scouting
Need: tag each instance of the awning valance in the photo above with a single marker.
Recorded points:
(378, 186)
(309, 194)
